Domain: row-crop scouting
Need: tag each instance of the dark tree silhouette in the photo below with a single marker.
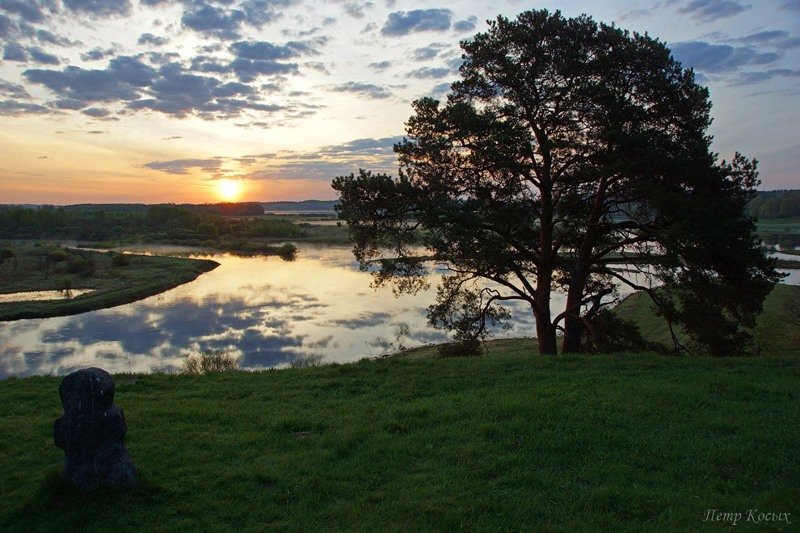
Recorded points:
(566, 148)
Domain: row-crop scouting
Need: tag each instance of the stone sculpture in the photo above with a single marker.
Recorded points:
(91, 433)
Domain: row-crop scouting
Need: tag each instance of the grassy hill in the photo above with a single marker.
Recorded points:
(774, 334)
(506, 441)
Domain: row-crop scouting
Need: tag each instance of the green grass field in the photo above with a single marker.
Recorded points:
(506, 441)
(115, 279)
(775, 333)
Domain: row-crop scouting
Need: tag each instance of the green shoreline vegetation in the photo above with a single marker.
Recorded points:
(505, 441)
(115, 278)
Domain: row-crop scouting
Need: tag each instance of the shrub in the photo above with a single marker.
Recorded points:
(461, 348)
(81, 265)
(210, 361)
(57, 256)
(287, 251)
(306, 361)
(120, 260)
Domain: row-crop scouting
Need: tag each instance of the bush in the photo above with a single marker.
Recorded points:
(210, 361)
(461, 348)
(287, 251)
(120, 260)
(306, 361)
(81, 265)
(5, 253)
(57, 256)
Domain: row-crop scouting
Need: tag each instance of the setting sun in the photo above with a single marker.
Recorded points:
(229, 190)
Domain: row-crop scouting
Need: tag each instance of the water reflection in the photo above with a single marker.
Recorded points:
(265, 311)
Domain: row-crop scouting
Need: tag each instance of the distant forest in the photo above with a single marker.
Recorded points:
(195, 225)
(305, 205)
(775, 204)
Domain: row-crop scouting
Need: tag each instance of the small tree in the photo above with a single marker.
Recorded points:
(566, 148)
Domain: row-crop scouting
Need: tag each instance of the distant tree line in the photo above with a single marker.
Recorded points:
(775, 204)
(157, 223)
(222, 208)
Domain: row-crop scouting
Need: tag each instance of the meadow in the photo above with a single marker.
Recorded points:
(504, 441)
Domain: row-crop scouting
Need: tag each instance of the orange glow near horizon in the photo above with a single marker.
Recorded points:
(229, 190)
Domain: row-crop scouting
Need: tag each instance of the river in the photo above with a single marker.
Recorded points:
(264, 311)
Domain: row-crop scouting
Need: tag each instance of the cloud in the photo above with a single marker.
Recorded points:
(226, 24)
(96, 112)
(40, 56)
(182, 166)
(99, 8)
(249, 69)
(47, 37)
(380, 66)
(719, 58)
(14, 52)
(16, 108)
(463, 26)
(96, 54)
(428, 72)
(792, 5)
(268, 51)
(440, 90)
(406, 22)
(428, 52)
(711, 10)
(356, 9)
(365, 89)
(13, 90)
(149, 38)
(27, 10)
(749, 78)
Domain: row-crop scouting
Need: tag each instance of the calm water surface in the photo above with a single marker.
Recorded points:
(265, 311)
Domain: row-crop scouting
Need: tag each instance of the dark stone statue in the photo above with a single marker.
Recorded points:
(91, 432)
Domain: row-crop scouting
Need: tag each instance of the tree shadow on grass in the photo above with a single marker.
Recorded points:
(58, 506)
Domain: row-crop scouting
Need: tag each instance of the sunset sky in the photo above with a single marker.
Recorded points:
(208, 100)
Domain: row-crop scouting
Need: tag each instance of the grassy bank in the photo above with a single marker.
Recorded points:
(777, 329)
(115, 278)
(506, 441)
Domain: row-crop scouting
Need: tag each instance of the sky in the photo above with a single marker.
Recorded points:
(148, 101)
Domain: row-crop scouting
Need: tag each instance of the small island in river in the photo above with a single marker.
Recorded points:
(86, 280)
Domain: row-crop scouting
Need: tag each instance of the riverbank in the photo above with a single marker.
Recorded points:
(114, 279)
(507, 441)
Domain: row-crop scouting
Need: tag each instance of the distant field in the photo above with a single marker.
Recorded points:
(115, 278)
(775, 334)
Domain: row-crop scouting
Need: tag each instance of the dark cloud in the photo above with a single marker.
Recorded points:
(124, 79)
(466, 25)
(27, 10)
(417, 20)
(96, 54)
(719, 58)
(439, 90)
(182, 166)
(428, 52)
(792, 5)
(40, 56)
(13, 90)
(17, 108)
(47, 37)
(226, 23)
(178, 93)
(96, 112)
(328, 161)
(749, 78)
(149, 38)
(428, 72)
(356, 9)
(380, 66)
(99, 8)
(214, 21)
(7, 26)
(268, 51)
(14, 52)
(710, 10)
(249, 69)
(365, 89)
